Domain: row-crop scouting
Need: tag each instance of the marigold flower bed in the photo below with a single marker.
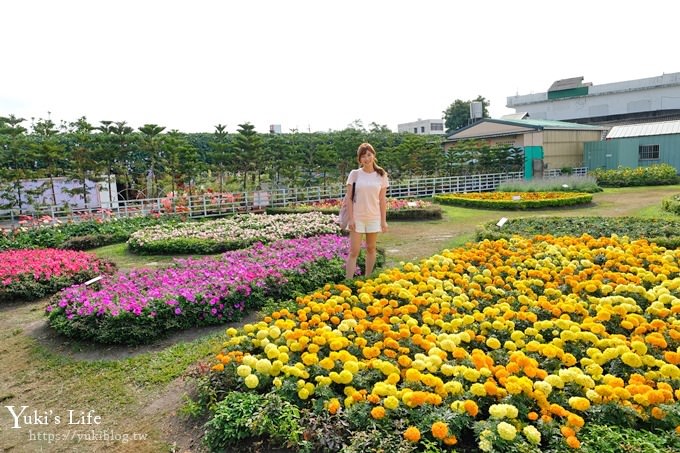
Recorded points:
(515, 344)
(35, 273)
(137, 306)
(514, 200)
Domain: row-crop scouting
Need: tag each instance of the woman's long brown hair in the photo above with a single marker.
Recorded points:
(368, 148)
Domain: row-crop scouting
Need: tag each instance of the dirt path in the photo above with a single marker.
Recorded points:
(48, 373)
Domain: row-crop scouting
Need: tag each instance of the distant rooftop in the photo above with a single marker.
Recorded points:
(567, 84)
(548, 124)
(645, 129)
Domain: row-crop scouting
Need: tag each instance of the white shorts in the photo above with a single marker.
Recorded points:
(368, 226)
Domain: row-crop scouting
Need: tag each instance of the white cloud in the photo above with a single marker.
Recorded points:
(309, 64)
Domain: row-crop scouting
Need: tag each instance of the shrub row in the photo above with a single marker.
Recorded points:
(76, 235)
(654, 175)
(664, 232)
(397, 209)
(587, 184)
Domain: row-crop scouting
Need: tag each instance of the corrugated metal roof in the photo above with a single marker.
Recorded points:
(515, 116)
(550, 124)
(640, 130)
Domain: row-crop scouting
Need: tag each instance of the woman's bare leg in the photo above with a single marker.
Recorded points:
(354, 249)
(371, 252)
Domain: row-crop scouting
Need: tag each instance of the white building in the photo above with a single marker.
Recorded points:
(428, 127)
(633, 101)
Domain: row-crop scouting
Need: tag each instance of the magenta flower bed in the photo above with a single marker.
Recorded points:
(35, 273)
(137, 306)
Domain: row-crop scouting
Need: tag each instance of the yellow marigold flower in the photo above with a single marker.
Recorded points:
(243, 370)
(532, 434)
(506, 431)
(579, 403)
(478, 389)
(631, 359)
(670, 371)
(440, 430)
(412, 434)
(493, 343)
(391, 402)
(251, 381)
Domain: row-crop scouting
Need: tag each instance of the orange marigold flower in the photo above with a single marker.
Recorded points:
(373, 398)
(575, 420)
(440, 430)
(471, 408)
(412, 434)
(378, 412)
(533, 416)
(333, 405)
(451, 440)
(573, 442)
(567, 431)
(658, 413)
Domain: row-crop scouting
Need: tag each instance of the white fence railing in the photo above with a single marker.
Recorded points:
(208, 205)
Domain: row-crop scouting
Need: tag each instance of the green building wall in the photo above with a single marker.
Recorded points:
(624, 152)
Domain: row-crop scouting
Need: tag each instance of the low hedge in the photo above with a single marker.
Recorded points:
(654, 175)
(514, 200)
(77, 235)
(427, 213)
(664, 232)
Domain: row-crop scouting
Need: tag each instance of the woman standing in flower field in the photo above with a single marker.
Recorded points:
(368, 213)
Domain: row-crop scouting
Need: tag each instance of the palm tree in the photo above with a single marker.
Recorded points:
(152, 146)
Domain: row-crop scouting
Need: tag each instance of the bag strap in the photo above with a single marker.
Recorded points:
(354, 189)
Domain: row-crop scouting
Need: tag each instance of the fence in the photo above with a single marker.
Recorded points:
(210, 205)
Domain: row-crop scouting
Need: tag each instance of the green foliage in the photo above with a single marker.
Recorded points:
(654, 175)
(671, 204)
(585, 184)
(457, 115)
(616, 439)
(664, 232)
(242, 416)
(187, 246)
(78, 235)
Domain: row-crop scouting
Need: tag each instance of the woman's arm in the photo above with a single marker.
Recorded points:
(350, 206)
(383, 209)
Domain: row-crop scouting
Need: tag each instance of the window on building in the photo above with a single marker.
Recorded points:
(437, 126)
(422, 129)
(648, 152)
(415, 130)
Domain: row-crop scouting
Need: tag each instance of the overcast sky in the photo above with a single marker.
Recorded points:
(312, 65)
